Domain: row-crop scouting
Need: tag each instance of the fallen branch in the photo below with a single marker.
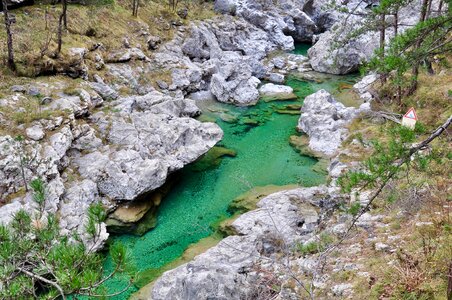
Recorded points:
(386, 115)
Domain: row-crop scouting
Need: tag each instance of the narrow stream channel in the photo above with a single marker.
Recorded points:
(260, 136)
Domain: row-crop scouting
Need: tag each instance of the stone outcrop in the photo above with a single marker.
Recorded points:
(221, 57)
(324, 120)
(234, 82)
(120, 153)
(286, 21)
(364, 87)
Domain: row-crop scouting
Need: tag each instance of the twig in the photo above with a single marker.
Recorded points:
(40, 278)
(110, 295)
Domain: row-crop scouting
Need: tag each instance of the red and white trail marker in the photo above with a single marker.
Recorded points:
(409, 119)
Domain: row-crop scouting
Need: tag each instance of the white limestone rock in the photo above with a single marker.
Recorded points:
(36, 132)
(277, 91)
(234, 83)
(324, 120)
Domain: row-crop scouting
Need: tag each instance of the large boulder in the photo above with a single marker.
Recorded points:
(120, 153)
(233, 82)
(272, 91)
(336, 58)
(150, 137)
(324, 120)
(284, 21)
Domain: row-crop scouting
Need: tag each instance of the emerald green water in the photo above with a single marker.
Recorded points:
(301, 48)
(200, 198)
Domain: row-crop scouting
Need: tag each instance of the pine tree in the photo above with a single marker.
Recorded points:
(37, 261)
(410, 49)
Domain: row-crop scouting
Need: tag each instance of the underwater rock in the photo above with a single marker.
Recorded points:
(228, 118)
(248, 201)
(213, 158)
(136, 217)
(301, 145)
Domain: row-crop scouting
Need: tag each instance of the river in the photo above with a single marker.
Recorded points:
(200, 198)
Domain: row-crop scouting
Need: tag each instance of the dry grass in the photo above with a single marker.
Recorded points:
(418, 269)
(35, 32)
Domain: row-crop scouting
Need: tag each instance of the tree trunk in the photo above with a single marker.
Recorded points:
(65, 14)
(449, 283)
(415, 69)
(382, 43)
(399, 94)
(440, 6)
(429, 10)
(396, 23)
(428, 64)
(60, 33)
(135, 5)
(9, 38)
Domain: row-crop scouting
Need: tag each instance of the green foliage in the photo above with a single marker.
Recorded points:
(37, 261)
(383, 163)
(423, 42)
(37, 185)
(316, 246)
(354, 209)
(96, 215)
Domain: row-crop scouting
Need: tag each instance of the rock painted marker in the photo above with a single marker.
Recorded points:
(409, 119)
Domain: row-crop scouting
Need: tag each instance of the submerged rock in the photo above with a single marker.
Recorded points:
(213, 158)
(136, 217)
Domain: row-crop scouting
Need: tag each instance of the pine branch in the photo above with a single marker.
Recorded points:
(40, 278)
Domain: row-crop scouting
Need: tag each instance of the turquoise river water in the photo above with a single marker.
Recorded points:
(260, 136)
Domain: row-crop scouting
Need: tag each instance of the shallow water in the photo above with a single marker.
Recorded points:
(200, 198)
